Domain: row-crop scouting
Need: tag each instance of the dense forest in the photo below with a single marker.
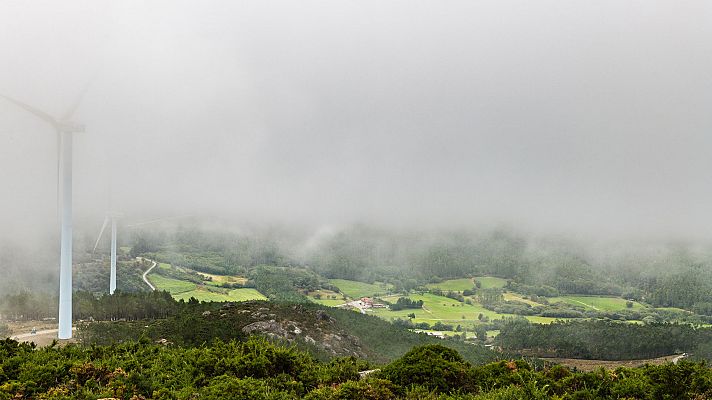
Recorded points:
(87, 305)
(596, 339)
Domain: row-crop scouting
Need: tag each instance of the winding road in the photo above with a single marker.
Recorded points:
(146, 273)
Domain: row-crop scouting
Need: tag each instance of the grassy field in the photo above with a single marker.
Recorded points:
(202, 294)
(455, 285)
(489, 282)
(544, 320)
(328, 302)
(597, 303)
(327, 297)
(217, 280)
(355, 289)
(437, 308)
(173, 286)
(509, 296)
(448, 311)
(245, 294)
(458, 285)
(185, 290)
(163, 266)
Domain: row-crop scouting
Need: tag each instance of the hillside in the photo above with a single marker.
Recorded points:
(325, 332)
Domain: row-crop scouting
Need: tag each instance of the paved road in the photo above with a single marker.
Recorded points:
(146, 273)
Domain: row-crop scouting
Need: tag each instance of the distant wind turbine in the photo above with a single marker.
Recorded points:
(112, 275)
(65, 128)
(112, 218)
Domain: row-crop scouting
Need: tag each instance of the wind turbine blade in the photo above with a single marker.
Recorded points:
(77, 102)
(37, 113)
(101, 232)
(152, 221)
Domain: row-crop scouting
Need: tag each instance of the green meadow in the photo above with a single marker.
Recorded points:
(455, 285)
(202, 294)
(448, 311)
(459, 285)
(326, 297)
(437, 308)
(184, 290)
(597, 303)
(172, 286)
(355, 289)
(489, 282)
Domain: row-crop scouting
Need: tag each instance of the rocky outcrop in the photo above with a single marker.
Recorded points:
(293, 324)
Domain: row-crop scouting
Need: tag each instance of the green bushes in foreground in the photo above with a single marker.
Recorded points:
(258, 369)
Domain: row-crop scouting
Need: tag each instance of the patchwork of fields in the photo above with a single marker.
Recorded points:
(184, 290)
(436, 309)
(453, 312)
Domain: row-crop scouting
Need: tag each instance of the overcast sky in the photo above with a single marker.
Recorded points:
(581, 116)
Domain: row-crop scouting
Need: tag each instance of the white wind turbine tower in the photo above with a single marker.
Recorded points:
(112, 278)
(65, 128)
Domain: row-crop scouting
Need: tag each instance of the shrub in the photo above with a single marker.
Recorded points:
(434, 367)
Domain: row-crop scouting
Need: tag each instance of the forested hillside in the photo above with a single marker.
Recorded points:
(663, 275)
(324, 332)
(605, 340)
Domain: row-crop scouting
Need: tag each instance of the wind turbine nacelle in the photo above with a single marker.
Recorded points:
(71, 127)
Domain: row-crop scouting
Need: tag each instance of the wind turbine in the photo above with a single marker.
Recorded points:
(65, 128)
(112, 277)
(112, 218)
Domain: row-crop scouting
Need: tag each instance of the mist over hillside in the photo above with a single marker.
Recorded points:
(359, 200)
(405, 257)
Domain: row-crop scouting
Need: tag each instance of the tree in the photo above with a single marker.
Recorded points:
(481, 333)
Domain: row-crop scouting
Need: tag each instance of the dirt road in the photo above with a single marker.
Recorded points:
(40, 338)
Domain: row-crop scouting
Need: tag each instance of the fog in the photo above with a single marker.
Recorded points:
(574, 117)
